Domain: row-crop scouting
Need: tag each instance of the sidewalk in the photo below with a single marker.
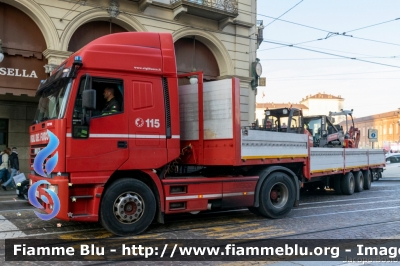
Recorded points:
(9, 193)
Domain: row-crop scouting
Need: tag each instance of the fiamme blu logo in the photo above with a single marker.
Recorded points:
(44, 170)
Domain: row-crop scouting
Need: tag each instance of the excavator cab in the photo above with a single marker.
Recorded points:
(323, 131)
(288, 120)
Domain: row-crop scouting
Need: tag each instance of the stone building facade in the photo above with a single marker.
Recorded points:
(218, 37)
(322, 104)
(387, 125)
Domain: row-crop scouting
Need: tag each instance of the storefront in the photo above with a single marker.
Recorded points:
(21, 70)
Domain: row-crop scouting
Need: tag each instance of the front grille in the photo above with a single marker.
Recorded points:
(34, 151)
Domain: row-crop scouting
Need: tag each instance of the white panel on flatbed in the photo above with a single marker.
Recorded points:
(218, 117)
(257, 144)
(326, 159)
(189, 112)
(217, 114)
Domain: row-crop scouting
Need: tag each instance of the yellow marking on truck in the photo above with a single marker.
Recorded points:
(326, 170)
(274, 156)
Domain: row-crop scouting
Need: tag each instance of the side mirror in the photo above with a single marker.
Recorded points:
(388, 162)
(89, 99)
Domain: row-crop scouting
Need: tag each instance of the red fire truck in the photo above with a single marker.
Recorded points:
(167, 149)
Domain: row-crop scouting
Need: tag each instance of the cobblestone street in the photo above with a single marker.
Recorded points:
(372, 214)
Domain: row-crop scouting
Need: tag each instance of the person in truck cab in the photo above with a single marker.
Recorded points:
(112, 105)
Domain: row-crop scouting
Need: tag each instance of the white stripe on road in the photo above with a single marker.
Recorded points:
(344, 205)
(331, 201)
(8, 229)
(333, 213)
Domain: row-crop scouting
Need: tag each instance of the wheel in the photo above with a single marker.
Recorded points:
(128, 207)
(367, 179)
(348, 184)
(376, 175)
(337, 179)
(358, 181)
(277, 196)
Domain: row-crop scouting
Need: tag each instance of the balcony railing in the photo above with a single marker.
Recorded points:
(212, 9)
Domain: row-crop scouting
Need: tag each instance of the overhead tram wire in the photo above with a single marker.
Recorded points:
(338, 74)
(283, 14)
(326, 58)
(352, 58)
(295, 44)
(330, 33)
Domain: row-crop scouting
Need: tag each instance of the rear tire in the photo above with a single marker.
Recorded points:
(128, 207)
(277, 196)
(348, 184)
(367, 179)
(358, 181)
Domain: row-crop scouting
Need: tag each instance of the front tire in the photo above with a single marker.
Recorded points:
(277, 196)
(128, 207)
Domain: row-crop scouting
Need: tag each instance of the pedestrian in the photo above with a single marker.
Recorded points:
(14, 167)
(4, 172)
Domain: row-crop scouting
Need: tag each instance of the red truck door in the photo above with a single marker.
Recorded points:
(96, 150)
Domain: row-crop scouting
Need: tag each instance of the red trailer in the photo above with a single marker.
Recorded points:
(168, 149)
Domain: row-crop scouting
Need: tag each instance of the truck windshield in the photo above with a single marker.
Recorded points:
(53, 100)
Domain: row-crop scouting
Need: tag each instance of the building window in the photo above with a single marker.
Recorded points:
(391, 129)
(363, 131)
(384, 130)
(3, 134)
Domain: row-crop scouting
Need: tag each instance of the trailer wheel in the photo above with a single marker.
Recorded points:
(128, 207)
(277, 196)
(367, 179)
(358, 181)
(348, 184)
(337, 180)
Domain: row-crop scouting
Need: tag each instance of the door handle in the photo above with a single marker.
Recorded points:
(122, 144)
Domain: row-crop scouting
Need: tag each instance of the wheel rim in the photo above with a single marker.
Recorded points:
(279, 195)
(361, 182)
(352, 183)
(128, 207)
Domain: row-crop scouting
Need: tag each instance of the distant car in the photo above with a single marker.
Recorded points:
(392, 168)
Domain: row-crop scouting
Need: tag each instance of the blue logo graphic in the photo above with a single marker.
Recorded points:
(44, 153)
(38, 167)
(33, 200)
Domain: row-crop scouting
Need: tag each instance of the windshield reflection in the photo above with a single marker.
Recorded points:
(52, 101)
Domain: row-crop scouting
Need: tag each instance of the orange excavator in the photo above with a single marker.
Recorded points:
(327, 134)
(352, 134)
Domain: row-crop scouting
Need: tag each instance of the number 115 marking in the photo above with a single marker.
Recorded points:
(153, 123)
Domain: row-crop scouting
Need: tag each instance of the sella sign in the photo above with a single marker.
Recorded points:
(17, 72)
